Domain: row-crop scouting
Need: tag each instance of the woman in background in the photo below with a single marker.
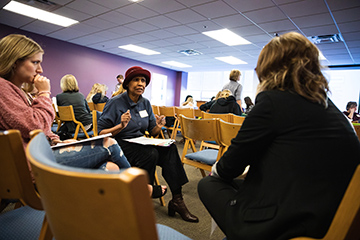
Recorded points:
(249, 104)
(92, 92)
(300, 165)
(72, 96)
(100, 96)
(233, 85)
(226, 103)
(351, 112)
(189, 102)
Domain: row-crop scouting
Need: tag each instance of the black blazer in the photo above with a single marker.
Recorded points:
(301, 158)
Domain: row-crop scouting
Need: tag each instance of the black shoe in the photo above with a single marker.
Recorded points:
(157, 191)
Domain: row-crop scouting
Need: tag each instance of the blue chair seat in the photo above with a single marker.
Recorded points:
(211, 142)
(21, 223)
(165, 233)
(207, 156)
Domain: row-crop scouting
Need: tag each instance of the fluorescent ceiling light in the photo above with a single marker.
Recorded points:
(231, 60)
(227, 37)
(138, 49)
(176, 64)
(39, 14)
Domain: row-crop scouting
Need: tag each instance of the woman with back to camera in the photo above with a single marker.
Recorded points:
(234, 86)
(300, 165)
(129, 115)
(72, 96)
(226, 103)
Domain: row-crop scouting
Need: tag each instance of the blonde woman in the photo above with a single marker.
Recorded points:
(301, 149)
(120, 90)
(100, 96)
(226, 103)
(72, 96)
(233, 85)
(92, 92)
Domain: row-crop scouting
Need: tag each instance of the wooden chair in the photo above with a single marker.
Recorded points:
(227, 117)
(93, 204)
(168, 112)
(155, 109)
(227, 131)
(187, 112)
(198, 113)
(91, 106)
(237, 119)
(346, 222)
(66, 114)
(26, 222)
(56, 123)
(203, 130)
(99, 107)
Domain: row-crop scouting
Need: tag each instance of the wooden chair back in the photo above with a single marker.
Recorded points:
(168, 112)
(99, 107)
(346, 222)
(227, 131)
(227, 117)
(187, 112)
(66, 114)
(16, 181)
(237, 119)
(91, 204)
(155, 109)
(198, 129)
(91, 106)
(198, 113)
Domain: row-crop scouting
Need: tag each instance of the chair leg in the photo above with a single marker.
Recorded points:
(45, 233)
(202, 172)
(157, 182)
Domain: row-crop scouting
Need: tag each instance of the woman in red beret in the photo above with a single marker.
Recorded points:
(129, 115)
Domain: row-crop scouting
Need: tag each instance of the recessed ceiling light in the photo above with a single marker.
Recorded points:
(176, 64)
(227, 37)
(138, 49)
(231, 60)
(39, 14)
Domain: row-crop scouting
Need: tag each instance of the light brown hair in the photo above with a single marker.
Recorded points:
(235, 75)
(68, 83)
(291, 62)
(13, 48)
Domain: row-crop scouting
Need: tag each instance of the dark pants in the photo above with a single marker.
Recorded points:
(147, 157)
(216, 195)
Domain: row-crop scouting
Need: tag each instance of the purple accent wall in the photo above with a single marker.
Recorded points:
(91, 66)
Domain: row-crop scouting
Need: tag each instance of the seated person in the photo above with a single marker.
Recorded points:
(25, 113)
(129, 115)
(189, 102)
(351, 112)
(226, 103)
(100, 96)
(92, 92)
(300, 165)
(72, 96)
(249, 104)
(206, 106)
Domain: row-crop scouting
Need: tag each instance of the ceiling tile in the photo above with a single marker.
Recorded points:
(323, 30)
(337, 5)
(162, 34)
(140, 26)
(347, 15)
(162, 22)
(137, 11)
(214, 9)
(91, 8)
(13, 19)
(191, 3)
(245, 6)
(265, 15)
(304, 8)
(162, 6)
(116, 17)
(72, 13)
(313, 20)
(40, 27)
(185, 16)
(278, 26)
(232, 21)
(181, 30)
(349, 27)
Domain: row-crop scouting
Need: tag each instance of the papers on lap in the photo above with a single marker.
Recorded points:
(151, 141)
(82, 141)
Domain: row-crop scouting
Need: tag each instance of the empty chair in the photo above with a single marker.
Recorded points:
(91, 105)
(187, 112)
(26, 222)
(227, 131)
(203, 130)
(357, 129)
(66, 114)
(168, 112)
(99, 107)
(114, 205)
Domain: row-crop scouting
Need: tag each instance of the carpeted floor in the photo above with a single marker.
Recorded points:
(195, 231)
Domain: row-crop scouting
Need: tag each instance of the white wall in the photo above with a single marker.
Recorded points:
(344, 85)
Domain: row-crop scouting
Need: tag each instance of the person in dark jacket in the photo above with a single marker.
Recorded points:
(300, 165)
(226, 103)
(100, 96)
(72, 96)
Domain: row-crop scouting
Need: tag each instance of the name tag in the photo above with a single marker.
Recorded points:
(143, 113)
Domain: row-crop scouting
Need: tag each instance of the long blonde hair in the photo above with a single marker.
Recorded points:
(119, 91)
(291, 62)
(68, 83)
(15, 47)
(93, 91)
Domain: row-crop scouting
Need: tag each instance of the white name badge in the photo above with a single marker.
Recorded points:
(143, 113)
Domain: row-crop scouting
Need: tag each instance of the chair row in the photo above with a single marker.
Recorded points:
(191, 113)
(215, 130)
(109, 206)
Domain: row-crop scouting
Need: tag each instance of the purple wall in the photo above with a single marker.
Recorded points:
(91, 66)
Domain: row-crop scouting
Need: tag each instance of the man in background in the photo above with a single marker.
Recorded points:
(120, 79)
